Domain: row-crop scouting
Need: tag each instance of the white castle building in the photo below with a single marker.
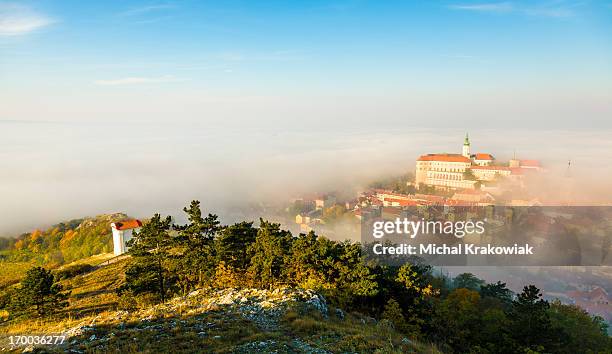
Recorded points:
(122, 233)
(466, 170)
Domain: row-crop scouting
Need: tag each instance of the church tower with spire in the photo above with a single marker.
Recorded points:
(466, 146)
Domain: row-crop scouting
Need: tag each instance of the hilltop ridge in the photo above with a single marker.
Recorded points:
(64, 242)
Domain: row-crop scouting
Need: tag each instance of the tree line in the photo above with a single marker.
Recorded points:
(461, 315)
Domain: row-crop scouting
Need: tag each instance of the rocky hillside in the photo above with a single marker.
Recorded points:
(282, 320)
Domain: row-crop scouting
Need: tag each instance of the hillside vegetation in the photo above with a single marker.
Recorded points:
(204, 286)
(64, 242)
(282, 320)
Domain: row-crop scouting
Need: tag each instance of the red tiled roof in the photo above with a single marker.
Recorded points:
(468, 195)
(444, 158)
(128, 224)
(530, 163)
(401, 202)
(481, 156)
(589, 295)
(430, 199)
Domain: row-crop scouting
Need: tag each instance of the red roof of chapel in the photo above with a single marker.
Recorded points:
(128, 224)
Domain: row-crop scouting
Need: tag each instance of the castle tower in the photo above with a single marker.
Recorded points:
(466, 146)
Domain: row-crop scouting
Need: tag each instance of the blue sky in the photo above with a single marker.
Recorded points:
(272, 47)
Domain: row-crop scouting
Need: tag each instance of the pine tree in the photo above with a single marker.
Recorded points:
(150, 248)
(232, 244)
(497, 291)
(467, 281)
(311, 262)
(200, 231)
(196, 264)
(268, 254)
(39, 294)
(530, 325)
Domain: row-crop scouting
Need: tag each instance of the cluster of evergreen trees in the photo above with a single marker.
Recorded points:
(465, 315)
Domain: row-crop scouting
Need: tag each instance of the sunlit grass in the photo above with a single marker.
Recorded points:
(12, 272)
(93, 260)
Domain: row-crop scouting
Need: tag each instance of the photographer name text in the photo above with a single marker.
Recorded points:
(454, 249)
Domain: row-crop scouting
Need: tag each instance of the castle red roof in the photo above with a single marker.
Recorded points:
(481, 156)
(444, 158)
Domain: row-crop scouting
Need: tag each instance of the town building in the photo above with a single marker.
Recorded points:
(473, 197)
(596, 301)
(467, 170)
(483, 159)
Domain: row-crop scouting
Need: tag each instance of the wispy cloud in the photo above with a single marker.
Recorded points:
(556, 8)
(147, 9)
(553, 8)
(485, 7)
(138, 81)
(18, 20)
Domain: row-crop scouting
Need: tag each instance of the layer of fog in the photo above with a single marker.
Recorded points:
(50, 172)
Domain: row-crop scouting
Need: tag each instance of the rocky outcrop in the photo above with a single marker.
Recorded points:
(260, 306)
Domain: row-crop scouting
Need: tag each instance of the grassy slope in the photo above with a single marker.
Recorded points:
(90, 294)
(93, 260)
(11, 272)
(93, 301)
